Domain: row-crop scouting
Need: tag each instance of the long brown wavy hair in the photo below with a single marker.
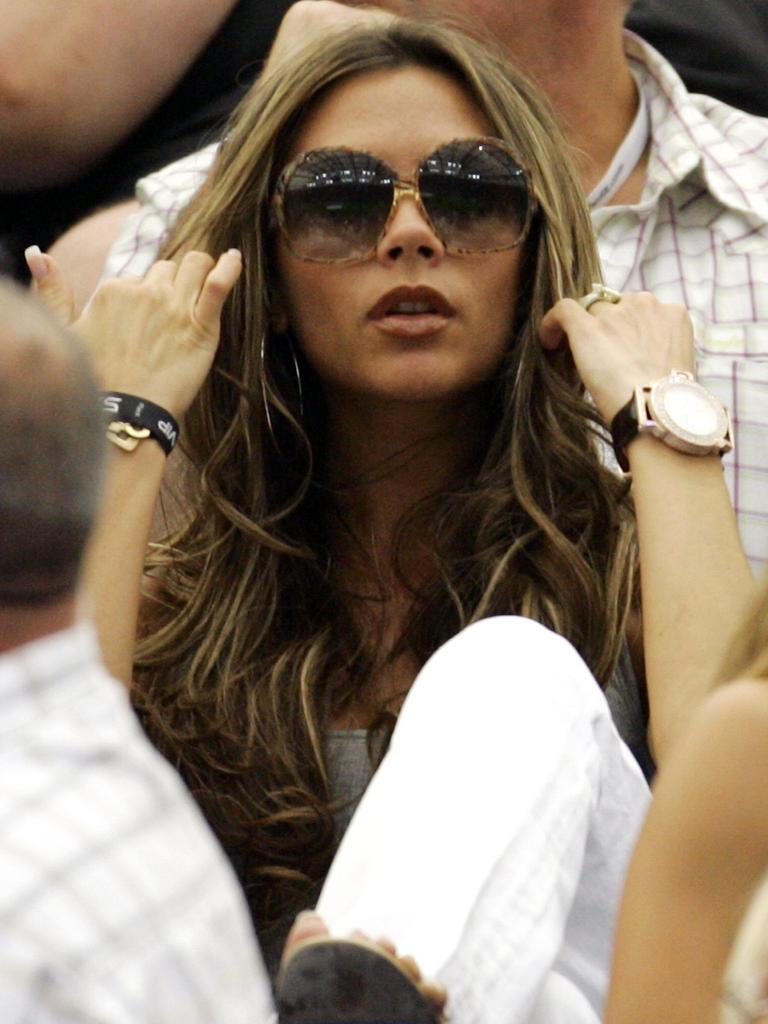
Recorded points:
(250, 647)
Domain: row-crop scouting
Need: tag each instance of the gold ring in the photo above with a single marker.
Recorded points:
(599, 293)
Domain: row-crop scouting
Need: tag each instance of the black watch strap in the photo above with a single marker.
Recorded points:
(624, 428)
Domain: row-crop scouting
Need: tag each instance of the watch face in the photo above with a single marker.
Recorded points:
(688, 411)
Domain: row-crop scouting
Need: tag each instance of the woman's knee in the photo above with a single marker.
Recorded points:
(508, 663)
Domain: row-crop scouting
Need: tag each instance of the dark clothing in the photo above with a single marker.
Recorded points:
(718, 47)
(190, 117)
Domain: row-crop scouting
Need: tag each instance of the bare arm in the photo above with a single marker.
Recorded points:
(77, 77)
(695, 579)
(155, 338)
(701, 853)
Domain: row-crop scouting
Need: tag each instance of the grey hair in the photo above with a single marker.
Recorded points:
(51, 451)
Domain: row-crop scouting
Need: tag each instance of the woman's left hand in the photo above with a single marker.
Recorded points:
(620, 346)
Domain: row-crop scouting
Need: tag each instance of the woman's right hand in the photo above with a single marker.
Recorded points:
(155, 337)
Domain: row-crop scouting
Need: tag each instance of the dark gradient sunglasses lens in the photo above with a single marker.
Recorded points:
(476, 195)
(336, 203)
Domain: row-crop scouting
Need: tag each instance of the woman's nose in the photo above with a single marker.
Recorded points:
(409, 235)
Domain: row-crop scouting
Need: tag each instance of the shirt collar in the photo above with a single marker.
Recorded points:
(43, 665)
(688, 135)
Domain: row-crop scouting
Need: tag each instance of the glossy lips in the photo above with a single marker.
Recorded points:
(411, 312)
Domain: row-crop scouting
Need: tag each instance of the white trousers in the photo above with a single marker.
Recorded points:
(493, 840)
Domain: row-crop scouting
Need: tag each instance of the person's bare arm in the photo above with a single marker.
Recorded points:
(695, 578)
(702, 851)
(77, 77)
(695, 581)
(155, 338)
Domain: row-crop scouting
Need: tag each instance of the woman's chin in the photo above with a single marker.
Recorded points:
(420, 391)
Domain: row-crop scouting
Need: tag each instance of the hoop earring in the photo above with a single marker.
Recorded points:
(264, 398)
(264, 395)
(297, 371)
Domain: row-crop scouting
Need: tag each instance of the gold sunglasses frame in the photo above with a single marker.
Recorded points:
(402, 188)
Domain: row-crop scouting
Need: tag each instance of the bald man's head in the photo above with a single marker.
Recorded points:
(51, 452)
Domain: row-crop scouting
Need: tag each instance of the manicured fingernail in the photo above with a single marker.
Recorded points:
(235, 252)
(37, 265)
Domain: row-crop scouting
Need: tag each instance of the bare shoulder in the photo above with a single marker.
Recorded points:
(740, 699)
(732, 723)
(712, 789)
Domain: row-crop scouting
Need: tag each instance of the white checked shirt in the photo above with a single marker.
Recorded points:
(116, 904)
(699, 237)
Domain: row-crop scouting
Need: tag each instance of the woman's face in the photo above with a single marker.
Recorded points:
(348, 318)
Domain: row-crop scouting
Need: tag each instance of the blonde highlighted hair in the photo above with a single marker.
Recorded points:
(252, 649)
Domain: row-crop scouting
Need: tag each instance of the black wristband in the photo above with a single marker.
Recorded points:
(138, 412)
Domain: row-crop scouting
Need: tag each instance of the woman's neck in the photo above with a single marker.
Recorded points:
(382, 458)
(575, 51)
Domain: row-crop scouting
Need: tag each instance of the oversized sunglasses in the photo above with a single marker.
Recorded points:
(335, 205)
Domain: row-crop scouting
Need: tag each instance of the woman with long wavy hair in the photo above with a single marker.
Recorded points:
(387, 439)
